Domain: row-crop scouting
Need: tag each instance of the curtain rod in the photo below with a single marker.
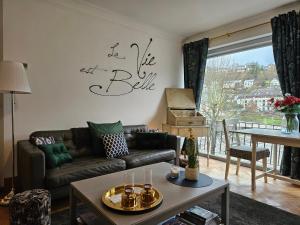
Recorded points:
(237, 31)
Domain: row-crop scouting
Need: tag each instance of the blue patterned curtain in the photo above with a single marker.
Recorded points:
(286, 48)
(194, 59)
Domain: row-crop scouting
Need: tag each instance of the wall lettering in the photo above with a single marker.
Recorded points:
(120, 81)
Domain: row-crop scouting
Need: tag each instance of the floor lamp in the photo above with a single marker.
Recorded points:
(13, 80)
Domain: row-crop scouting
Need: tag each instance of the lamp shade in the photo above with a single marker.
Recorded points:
(13, 78)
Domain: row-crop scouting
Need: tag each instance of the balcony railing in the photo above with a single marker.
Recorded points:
(218, 149)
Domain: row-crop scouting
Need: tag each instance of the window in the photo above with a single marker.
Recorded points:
(238, 85)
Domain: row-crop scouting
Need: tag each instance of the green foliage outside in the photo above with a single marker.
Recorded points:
(261, 119)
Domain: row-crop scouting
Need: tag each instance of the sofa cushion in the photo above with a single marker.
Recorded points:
(66, 137)
(151, 140)
(56, 154)
(115, 145)
(138, 158)
(97, 130)
(82, 168)
(43, 140)
(81, 137)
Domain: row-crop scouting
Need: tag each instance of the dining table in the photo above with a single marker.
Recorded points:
(275, 137)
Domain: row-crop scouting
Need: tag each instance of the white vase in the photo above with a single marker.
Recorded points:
(191, 173)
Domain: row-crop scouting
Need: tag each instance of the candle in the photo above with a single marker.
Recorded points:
(174, 171)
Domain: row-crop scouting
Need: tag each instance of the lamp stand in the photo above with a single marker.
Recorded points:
(6, 199)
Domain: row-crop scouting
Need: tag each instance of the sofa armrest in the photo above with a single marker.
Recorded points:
(173, 142)
(31, 166)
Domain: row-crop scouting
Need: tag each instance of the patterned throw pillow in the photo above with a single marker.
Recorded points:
(43, 140)
(115, 145)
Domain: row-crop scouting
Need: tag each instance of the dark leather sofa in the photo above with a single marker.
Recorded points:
(32, 172)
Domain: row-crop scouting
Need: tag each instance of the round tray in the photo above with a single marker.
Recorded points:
(138, 209)
(203, 180)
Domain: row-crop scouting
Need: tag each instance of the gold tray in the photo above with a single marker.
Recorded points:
(138, 208)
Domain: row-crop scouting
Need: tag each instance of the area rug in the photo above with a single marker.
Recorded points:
(243, 211)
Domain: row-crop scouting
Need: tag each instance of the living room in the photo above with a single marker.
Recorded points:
(101, 62)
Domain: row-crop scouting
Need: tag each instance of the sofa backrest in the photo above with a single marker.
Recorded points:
(78, 140)
(67, 137)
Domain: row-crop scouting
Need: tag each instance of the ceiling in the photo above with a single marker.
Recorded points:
(187, 17)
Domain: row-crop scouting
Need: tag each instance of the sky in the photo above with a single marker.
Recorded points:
(263, 56)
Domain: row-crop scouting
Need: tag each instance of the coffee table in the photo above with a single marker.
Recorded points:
(176, 198)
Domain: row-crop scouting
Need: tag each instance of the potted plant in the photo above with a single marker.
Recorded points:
(290, 106)
(191, 150)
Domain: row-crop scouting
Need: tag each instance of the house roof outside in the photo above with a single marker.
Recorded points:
(262, 93)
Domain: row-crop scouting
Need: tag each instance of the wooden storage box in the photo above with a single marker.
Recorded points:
(182, 108)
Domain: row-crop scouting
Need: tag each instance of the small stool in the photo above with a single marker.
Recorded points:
(31, 207)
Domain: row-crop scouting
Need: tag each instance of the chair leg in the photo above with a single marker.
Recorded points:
(227, 166)
(264, 160)
(238, 163)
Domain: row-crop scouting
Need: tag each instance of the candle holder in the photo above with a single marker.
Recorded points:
(128, 198)
(174, 172)
(147, 195)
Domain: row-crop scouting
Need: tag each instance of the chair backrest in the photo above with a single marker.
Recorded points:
(226, 134)
(227, 142)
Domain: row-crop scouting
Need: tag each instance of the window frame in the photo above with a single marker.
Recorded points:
(243, 45)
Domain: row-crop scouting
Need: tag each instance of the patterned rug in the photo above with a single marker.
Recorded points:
(243, 211)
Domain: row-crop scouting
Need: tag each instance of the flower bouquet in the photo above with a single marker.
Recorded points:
(290, 106)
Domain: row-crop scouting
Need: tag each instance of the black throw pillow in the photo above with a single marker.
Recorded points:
(151, 140)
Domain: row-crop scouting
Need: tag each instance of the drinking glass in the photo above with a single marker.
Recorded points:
(128, 181)
(148, 177)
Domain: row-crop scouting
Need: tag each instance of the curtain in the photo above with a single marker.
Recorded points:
(286, 48)
(194, 59)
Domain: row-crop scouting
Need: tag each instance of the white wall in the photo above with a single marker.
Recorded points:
(58, 39)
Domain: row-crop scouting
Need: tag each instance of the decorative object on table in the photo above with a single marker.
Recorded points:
(31, 207)
(191, 150)
(203, 180)
(174, 172)
(13, 80)
(148, 194)
(112, 199)
(290, 106)
(128, 199)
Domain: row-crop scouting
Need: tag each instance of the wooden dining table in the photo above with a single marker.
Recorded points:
(275, 137)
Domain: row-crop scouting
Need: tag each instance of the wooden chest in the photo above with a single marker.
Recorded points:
(182, 108)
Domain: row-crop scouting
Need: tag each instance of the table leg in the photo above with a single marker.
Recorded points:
(225, 206)
(275, 160)
(253, 166)
(208, 149)
(73, 207)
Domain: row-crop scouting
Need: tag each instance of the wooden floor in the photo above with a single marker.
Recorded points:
(276, 193)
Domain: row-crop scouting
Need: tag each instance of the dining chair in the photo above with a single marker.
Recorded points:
(243, 152)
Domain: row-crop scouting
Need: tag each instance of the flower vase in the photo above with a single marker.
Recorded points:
(290, 123)
(192, 173)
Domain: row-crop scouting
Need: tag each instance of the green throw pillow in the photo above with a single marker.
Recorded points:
(56, 154)
(98, 130)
